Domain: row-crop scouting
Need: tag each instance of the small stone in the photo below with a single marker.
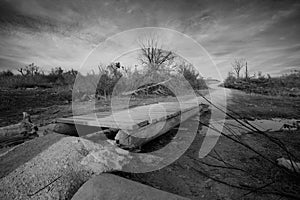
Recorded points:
(122, 151)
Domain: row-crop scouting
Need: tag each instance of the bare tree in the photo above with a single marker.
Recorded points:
(237, 66)
(22, 71)
(246, 72)
(29, 70)
(153, 54)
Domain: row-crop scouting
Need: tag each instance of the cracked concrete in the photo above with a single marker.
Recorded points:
(59, 171)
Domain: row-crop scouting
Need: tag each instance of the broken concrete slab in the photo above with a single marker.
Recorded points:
(60, 170)
(13, 157)
(112, 187)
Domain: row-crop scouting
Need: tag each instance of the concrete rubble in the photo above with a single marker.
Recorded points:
(59, 171)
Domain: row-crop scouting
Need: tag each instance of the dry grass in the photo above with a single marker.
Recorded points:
(264, 107)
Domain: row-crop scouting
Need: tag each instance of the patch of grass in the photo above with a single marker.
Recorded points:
(18, 81)
(264, 107)
(20, 100)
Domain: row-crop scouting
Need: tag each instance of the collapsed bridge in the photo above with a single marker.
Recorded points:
(133, 127)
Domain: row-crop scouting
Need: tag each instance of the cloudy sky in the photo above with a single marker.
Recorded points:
(54, 33)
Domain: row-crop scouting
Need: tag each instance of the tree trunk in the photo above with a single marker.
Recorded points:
(246, 75)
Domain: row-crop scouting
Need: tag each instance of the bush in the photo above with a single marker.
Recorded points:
(6, 73)
(192, 76)
(230, 81)
(18, 81)
(30, 78)
(286, 85)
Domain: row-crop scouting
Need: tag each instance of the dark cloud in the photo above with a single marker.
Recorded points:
(53, 31)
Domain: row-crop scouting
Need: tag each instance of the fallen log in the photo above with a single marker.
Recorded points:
(15, 140)
(144, 88)
(25, 127)
(18, 133)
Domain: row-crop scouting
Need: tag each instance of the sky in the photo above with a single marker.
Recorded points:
(52, 33)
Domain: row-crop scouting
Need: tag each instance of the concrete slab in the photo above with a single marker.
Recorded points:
(112, 187)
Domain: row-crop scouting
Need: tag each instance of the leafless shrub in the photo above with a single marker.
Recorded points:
(29, 70)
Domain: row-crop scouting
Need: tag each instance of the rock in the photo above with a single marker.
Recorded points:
(99, 160)
(112, 187)
(66, 129)
(45, 130)
(84, 97)
(208, 184)
(290, 165)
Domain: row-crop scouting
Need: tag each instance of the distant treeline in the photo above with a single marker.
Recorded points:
(113, 78)
(285, 85)
(32, 76)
